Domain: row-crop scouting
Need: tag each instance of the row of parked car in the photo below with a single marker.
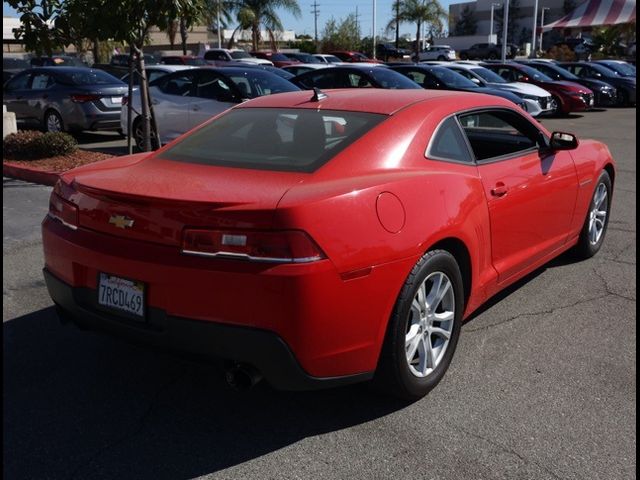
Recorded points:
(74, 98)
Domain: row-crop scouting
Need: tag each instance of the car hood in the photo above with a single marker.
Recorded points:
(522, 88)
(571, 86)
(594, 84)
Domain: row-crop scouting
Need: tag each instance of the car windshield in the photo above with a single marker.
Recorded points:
(256, 83)
(238, 55)
(621, 68)
(566, 74)
(393, 80)
(298, 140)
(488, 76)
(306, 58)
(88, 77)
(536, 74)
(452, 79)
(332, 59)
(279, 57)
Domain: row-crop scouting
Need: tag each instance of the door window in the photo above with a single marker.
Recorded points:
(213, 87)
(499, 133)
(179, 84)
(41, 81)
(19, 82)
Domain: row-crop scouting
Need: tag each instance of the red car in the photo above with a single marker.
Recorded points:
(569, 96)
(279, 59)
(353, 57)
(322, 238)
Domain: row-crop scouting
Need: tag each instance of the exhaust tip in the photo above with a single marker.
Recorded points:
(242, 377)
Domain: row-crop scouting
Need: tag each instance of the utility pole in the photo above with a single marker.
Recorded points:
(357, 20)
(374, 30)
(491, 21)
(505, 29)
(315, 13)
(218, 27)
(542, 25)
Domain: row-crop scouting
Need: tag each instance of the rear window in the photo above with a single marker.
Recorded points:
(257, 83)
(294, 140)
(87, 77)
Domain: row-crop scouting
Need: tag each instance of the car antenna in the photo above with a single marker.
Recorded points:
(318, 95)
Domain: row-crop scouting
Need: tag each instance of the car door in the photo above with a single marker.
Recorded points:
(212, 95)
(14, 96)
(530, 191)
(171, 99)
(38, 96)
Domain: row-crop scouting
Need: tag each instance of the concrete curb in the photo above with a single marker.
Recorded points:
(34, 175)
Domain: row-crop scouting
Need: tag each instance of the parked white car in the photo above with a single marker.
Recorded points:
(538, 100)
(184, 99)
(325, 58)
(233, 55)
(437, 52)
(156, 71)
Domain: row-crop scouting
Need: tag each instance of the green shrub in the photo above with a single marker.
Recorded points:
(32, 145)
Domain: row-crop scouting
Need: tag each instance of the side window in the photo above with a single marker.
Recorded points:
(152, 75)
(357, 80)
(416, 75)
(19, 82)
(449, 143)
(179, 84)
(498, 133)
(464, 73)
(506, 74)
(41, 81)
(213, 87)
(323, 80)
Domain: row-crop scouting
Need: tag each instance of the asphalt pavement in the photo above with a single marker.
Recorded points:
(542, 386)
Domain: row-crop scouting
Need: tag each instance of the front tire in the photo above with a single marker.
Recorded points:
(424, 328)
(138, 135)
(595, 225)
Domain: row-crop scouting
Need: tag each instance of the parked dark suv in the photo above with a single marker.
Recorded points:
(491, 51)
(388, 50)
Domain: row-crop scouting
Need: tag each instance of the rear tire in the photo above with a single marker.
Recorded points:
(424, 328)
(53, 122)
(492, 56)
(138, 135)
(464, 56)
(595, 224)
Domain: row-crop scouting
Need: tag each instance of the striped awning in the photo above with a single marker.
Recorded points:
(593, 13)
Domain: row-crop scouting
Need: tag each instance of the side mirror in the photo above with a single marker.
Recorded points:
(476, 81)
(563, 141)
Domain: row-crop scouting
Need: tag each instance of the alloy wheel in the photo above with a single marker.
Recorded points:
(598, 214)
(54, 124)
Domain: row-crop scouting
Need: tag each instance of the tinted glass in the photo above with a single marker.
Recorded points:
(556, 73)
(488, 75)
(238, 55)
(256, 83)
(621, 68)
(14, 63)
(449, 143)
(499, 133)
(452, 79)
(87, 77)
(298, 140)
(40, 81)
(195, 61)
(393, 80)
(535, 74)
(212, 86)
(19, 82)
(278, 57)
(176, 84)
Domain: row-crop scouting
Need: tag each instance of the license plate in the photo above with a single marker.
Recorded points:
(116, 100)
(121, 294)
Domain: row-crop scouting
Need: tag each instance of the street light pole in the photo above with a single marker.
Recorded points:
(505, 28)
(542, 25)
(218, 28)
(533, 34)
(374, 29)
(491, 26)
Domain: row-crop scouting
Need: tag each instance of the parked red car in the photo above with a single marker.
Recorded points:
(318, 239)
(353, 57)
(278, 59)
(569, 96)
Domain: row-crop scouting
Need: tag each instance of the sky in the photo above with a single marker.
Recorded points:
(328, 8)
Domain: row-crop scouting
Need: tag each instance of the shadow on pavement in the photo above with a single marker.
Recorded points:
(105, 142)
(84, 405)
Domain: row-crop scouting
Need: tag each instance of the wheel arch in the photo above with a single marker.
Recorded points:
(611, 171)
(460, 252)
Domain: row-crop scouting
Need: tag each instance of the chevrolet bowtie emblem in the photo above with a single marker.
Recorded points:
(121, 221)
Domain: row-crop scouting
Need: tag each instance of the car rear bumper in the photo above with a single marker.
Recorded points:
(333, 324)
(260, 348)
(88, 117)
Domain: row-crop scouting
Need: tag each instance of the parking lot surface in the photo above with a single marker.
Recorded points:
(542, 386)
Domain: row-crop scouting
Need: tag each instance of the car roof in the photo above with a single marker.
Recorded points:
(372, 100)
(50, 69)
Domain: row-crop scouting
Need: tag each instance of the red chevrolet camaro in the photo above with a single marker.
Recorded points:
(318, 239)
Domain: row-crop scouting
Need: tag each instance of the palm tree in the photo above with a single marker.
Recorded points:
(418, 12)
(255, 13)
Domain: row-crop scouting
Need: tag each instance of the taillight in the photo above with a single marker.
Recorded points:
(83, 98)
(292, 246)
(63, 211)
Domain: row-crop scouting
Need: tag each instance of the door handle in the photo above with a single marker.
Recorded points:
(499, 190)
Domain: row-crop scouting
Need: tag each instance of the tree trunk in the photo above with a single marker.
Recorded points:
(418, 40)
(96, 50)
(397, 24)
(184, 34)
(144, 100)
(255, 35)
(130, 102)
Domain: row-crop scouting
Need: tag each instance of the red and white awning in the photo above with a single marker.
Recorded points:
(594, 13)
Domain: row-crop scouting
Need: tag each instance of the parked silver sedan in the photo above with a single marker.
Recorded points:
(65, 99)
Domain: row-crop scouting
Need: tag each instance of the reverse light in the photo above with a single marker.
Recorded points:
(63, 211)
(291, 246)
(84, 98)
